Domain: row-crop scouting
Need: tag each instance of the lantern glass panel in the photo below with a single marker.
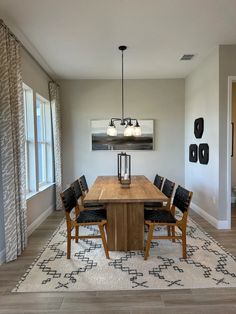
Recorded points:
(124, 169)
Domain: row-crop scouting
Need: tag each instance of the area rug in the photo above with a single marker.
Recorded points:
(207, 265)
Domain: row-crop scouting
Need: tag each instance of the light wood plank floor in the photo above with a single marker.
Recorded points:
(146, 302)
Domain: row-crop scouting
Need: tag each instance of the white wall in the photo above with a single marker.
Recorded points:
(33, 76)
(162, 100)
(227, 68)
(202, 100)
(43, 202)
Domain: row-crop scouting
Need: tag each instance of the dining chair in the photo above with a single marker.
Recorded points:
(158, 181)
(167, 189)
(82, 218)
(75, 186)
(83, 184)
(84, 189)
(167, 217)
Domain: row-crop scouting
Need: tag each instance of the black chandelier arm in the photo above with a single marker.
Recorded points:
(124, 121)
(130, 122)
(131, 119)
(136, 123)
(115, 119)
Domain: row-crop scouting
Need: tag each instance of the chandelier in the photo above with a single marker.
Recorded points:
(132, 127)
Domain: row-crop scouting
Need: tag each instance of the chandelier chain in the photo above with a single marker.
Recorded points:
(122, 87)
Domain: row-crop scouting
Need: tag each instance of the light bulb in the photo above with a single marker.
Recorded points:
(137, 131)
(111, 130)
(129, 130)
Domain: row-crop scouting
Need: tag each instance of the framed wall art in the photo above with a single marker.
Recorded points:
(101, 141)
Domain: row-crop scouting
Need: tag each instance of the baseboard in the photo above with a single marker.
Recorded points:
(2, 256)
(218, 224)
(35, 224)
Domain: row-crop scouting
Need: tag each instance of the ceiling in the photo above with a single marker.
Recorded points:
(76, 39)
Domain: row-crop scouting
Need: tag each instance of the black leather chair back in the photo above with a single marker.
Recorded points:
(182, 199)
(83, 184)
(76, 189)
(158, 181)
(168, 188)
(68, 199)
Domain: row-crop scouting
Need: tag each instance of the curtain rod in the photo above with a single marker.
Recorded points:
(28, 52)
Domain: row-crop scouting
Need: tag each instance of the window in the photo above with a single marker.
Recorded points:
(29, 138)
(44, 141)
(38, 141)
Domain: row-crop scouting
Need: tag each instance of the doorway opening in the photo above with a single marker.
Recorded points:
(231, 190)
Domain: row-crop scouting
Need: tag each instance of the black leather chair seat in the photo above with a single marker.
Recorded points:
(95, 205)
(161, 216)
(153, 204)
(92, 216)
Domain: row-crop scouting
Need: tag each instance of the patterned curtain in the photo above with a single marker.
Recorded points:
(12, 144)
(56, 125)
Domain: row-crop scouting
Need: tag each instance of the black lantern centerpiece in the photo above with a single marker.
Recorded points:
(124, 169)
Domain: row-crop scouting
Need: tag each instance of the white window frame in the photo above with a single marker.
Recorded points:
(25, 91)
(46, 140)
(33, 186)
(29, 138)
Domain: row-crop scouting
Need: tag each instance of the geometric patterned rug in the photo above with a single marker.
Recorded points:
(207, 265)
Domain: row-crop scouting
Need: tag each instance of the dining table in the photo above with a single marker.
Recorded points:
(125, 209)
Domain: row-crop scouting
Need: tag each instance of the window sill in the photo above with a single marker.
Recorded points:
(41, 189)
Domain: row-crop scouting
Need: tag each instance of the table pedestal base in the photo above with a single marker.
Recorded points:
(125, 226)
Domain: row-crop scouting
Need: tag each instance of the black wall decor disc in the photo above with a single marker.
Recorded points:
(198, 127)
(193, 153)
(203, 153)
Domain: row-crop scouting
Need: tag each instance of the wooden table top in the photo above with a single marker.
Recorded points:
(107, 189)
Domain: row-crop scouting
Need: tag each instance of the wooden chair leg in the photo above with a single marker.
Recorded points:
(173, 233)
(104, 242)
(168, 231)
(77, 234)
(149, 239)
(68, 244)
(184, 250)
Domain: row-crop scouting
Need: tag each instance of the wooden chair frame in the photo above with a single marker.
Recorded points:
(181, 224)
(72, 223)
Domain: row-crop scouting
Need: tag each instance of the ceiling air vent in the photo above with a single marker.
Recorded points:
(186, 57)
